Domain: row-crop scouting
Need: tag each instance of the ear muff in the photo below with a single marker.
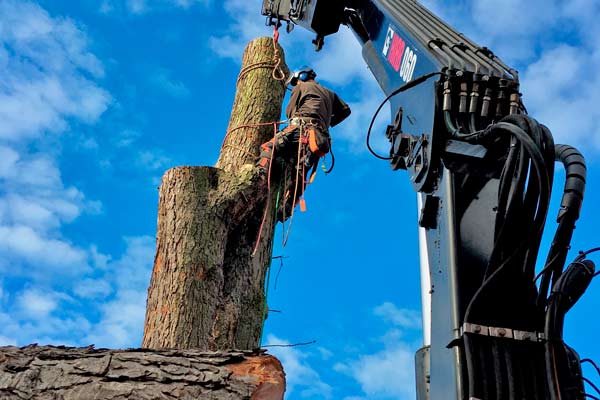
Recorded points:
(292, 80)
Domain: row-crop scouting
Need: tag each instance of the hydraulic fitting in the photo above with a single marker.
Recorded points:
(447, 106)
(462, 107)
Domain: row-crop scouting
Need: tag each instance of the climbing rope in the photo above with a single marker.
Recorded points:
(266, 305)
(301, 151)
(250, 125)
(277, 72)
(264, 218)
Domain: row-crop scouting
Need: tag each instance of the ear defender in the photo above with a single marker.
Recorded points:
(303, 74)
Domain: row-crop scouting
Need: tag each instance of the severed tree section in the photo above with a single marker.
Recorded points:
(64, 373)
(207, 288)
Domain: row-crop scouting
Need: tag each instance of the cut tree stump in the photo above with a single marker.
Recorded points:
(67, 373)
(207, 289)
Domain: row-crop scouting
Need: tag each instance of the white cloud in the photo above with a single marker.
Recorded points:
(106, 7)
(140, 7)
(387, 373)
(92, 288)
(4, 341)
(8, 160)
(122, 322)
(48, 79)
(163, 80)
(134, 267)
(246, 25)
(190, 3)
(43, 315)
(26, 244)
(122, 318)
(152, 160)
(300, 375)
(326, 354)
(340, 62)
(557, 96)
(137, 6)
(401, 317)
(127, 137)
(45, 68)
(37, 304)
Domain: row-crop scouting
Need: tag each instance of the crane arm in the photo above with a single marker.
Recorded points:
(483, 171)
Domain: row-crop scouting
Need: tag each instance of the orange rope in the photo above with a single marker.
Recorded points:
(279, 75)
(239, 149)
(251, 67)
(276, 73)
(253, 125)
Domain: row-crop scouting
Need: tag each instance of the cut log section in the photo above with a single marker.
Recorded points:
(67, 373)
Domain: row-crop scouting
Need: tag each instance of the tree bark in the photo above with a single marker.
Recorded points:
(207, 289)
(62, 373)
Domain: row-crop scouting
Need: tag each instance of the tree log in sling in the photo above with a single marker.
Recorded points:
(35, 372)
(207, 289)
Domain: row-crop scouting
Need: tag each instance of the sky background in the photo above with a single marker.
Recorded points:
(99, 98)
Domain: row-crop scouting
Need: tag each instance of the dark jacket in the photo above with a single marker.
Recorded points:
(310, 99)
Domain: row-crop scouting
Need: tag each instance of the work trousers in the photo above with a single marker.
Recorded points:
(306, 141)
(313, 141)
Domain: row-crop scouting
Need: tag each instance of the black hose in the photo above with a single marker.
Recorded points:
(499, 371)
(401, 89)
(470, 354)
(592, 363)
(586, 380)
(538, 220)
(572, 200)
(567, 290)
(332, 158)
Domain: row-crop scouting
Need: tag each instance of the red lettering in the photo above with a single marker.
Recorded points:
(396, 52)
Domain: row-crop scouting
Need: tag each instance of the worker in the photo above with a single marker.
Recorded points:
(311, 110)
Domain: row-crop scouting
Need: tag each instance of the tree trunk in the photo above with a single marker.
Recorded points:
(52, 373)
(207, 289)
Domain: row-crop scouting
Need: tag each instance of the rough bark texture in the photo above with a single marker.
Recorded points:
(207, 290)
(62, 373)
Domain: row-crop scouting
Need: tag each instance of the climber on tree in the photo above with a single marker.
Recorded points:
(312, 109)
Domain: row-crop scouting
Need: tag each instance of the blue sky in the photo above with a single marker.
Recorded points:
(99, 98)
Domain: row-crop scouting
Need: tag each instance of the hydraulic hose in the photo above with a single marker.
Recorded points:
(567, 290)
(570, 209)
(523, 199)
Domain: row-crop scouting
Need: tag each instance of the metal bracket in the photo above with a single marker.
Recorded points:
(501, 332)
(505, 333)
(429, 212)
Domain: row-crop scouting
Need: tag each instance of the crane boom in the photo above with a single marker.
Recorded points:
(483, 171)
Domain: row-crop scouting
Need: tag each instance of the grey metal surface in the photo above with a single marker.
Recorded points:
(451, 48)
(422, 367)
(446, 373)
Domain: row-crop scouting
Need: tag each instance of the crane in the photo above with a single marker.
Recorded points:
(483, 171)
